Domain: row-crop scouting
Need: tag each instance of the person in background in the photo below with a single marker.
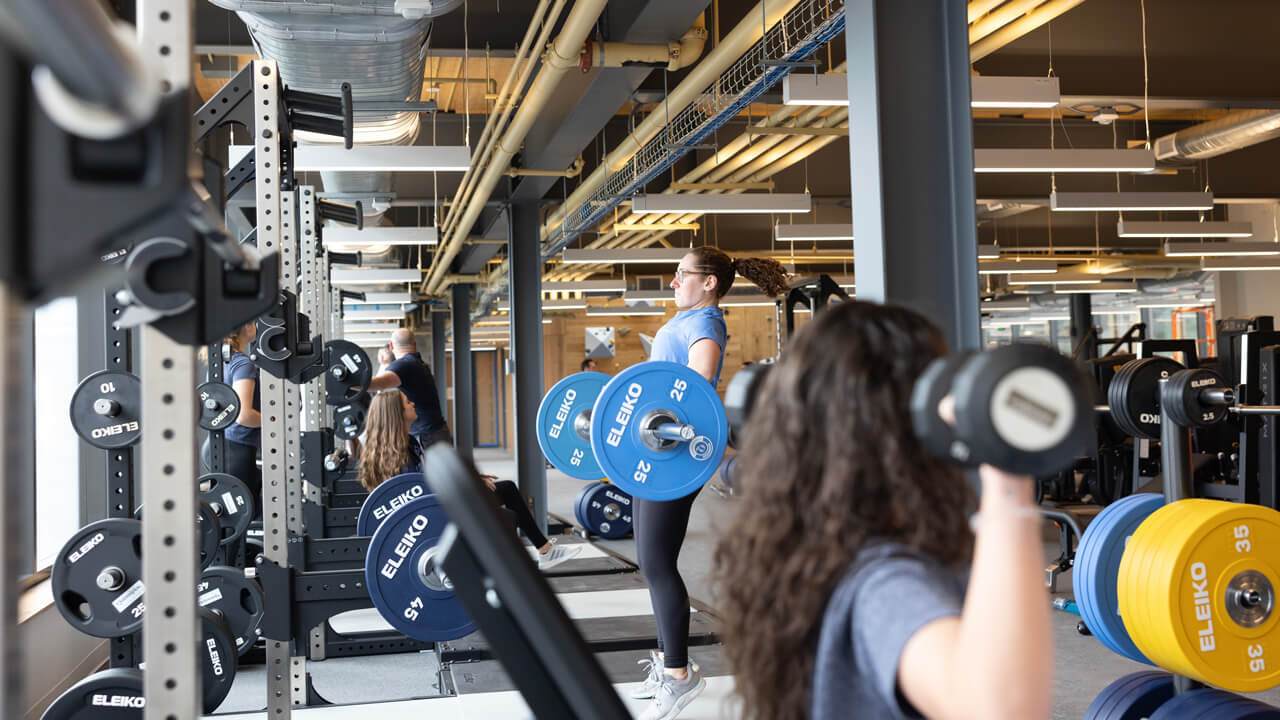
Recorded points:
(695, 336)
(588, 365)
(389, 451)
(412, 377)
(866, 536)
(385, 357)
(244, 435)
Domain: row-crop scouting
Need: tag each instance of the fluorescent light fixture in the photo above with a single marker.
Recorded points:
(1240, 263)
(1018, 266)
(1033, 320)
(815, 231)
(1202, 249)
(579, 304)
(832, 89)
(366, 340)
(379, 298)
(343, 236)
(585, 286)
(828, 89)
(742, 203)
(357, 315)
(1002, 91)
(1183, 228)
(627, 226)
(1027, 160)
(1104, 201)
(368, 328)
(624, 310)
(1188, 303)
(1115, 311)
(382, 158)
(1102, 286)
(649, 295)
(384, 276)
(619, 256)
(1055, 279)
(988, 252)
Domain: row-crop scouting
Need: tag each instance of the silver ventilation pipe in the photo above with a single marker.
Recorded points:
(1233, 131)
(379, 49)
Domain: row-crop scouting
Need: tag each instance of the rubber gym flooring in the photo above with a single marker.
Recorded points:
(1083, 666)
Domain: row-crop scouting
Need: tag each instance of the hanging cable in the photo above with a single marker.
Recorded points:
(1146, 116)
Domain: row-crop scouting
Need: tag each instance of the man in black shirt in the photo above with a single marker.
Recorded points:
(412, 376)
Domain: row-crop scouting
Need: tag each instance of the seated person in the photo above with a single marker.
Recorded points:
(389, 451)
(840, 577)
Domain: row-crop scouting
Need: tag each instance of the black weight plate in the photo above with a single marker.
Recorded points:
(114, 694)
(1134, 395)
(1215, 704)
(740, 395)
(1026, 409)
(219, 406)
(607, 511)
(386, 498)
(110, 549)
(348, 420)
(218, 659)
(934, 383)
(236, 599)
(1131, 697)
(106, 409)
(348, 373)
(1180, 398)
(209, 532)
(232, 502)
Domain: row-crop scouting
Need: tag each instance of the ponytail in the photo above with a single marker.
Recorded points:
(768, 275)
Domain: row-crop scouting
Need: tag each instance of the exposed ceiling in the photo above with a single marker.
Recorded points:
(1202, 60)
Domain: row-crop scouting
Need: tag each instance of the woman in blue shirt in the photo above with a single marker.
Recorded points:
(695, 337)
(244, 436)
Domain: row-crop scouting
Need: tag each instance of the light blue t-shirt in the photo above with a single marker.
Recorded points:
(674, 339)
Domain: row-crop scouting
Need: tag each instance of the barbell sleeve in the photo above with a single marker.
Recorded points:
(679, 432)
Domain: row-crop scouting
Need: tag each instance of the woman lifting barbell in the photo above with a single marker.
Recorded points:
(695, 337)
(389, 450)
(839, 577)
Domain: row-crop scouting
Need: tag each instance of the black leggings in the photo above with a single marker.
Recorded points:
(512, 501)
(659, 528)
(241, 463)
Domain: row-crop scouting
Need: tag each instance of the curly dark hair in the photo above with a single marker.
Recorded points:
(828, 462)
(768, 275)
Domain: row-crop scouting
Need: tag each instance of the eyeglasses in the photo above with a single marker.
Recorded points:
(681, 273)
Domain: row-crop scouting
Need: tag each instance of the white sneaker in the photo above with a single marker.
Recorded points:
(653, 676)
(557, 554)
(674, 695)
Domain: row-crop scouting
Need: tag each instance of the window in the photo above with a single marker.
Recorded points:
(57, 460)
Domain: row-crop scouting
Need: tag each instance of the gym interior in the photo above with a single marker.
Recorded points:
(468, 232)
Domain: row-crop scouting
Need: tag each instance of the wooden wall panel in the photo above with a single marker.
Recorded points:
(486, 396)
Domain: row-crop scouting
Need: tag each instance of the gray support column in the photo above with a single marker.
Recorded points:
(439, 328)
(1081, 324)
(464, 389)
(17, 437)
(911, 160)
(524, 263)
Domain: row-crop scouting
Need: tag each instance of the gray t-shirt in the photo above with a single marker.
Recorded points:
(889, 592)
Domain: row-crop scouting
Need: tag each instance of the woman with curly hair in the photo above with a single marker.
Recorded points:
(840, 576)
(389, 451)
(695, 337)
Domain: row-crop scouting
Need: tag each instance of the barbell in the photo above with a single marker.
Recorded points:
(657, 430)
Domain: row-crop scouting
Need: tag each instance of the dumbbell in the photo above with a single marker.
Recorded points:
(657, 429)
(1022, 408)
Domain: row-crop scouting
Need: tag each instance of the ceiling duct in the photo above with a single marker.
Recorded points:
(382, 53)
(1233, 131)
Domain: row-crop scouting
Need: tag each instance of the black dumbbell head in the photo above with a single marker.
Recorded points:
(1023, 408)
(938, 437)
